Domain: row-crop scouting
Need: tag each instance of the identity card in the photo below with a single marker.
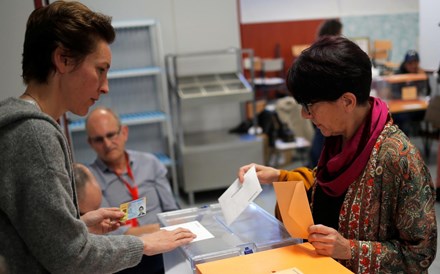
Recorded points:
(133, 209)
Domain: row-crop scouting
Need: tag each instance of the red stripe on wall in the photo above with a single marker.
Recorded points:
(264, 37)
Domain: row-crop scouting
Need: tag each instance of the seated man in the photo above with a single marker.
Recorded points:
(87, 188)
(126, 175)
(89, 198)
(3, 265)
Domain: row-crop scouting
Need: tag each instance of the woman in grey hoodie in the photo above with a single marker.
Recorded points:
(66, 57)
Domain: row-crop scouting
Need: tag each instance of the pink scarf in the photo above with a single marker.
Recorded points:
(338, 166)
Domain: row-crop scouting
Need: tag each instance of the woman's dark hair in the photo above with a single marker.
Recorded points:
(330, 67)
(330, 27)
(70, 25)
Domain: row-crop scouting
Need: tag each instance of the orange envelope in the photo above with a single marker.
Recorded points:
(294, 207)
(301, 258)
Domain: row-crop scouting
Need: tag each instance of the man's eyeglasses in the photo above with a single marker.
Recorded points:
(109, 136)
(306, 107)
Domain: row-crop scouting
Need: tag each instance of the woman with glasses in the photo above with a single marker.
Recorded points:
(372, 197)
(66, 57)
(331, 27)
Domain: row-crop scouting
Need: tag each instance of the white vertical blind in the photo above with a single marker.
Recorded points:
(429, 34)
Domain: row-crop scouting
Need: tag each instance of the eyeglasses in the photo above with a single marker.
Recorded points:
(306, 107)
(111, 136)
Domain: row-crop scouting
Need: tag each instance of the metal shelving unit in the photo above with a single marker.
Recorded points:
(138, 93)
(201, 87)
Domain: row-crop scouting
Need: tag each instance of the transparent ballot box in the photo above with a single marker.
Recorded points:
(255, 230)
(400, 86)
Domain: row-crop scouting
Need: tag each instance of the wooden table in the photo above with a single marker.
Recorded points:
(413, 112)
(400, 106)
(405, 78)
(401, 86)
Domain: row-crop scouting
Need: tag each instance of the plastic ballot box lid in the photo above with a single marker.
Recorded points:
(253, 231)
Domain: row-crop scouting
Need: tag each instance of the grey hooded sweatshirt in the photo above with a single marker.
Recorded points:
(40, 228)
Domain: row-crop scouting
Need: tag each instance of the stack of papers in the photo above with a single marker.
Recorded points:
(196, 228)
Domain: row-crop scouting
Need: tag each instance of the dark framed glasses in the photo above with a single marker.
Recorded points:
(109, 136)
(306, 107)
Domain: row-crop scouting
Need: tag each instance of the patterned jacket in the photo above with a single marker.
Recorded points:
(388, 213)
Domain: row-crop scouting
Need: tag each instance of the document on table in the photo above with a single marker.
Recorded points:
(195, 227)
(289, 271)
(238, 196)
(294, 207)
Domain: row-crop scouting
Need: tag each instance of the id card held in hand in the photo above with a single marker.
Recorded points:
(133, 209)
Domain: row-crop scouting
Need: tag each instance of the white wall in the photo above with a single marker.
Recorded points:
(206, 25)
(255, 11)
(187, 26)
(429, 34)
(161, 11)
(13, 16)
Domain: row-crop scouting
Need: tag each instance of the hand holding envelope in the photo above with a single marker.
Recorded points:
(238, 196)
(294, 207)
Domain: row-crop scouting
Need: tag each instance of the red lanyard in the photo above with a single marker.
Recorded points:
(132, 189)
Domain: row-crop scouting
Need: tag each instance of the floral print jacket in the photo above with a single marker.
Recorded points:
(388, 213)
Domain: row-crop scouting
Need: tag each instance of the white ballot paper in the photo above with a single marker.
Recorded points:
(238, 196)
(195, 227)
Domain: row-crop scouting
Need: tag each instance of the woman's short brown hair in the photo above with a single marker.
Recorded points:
(70, 25)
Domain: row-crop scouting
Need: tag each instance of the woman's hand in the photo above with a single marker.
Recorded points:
(103, 220)
(265, 174)
(327, 241)
(163, 240)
